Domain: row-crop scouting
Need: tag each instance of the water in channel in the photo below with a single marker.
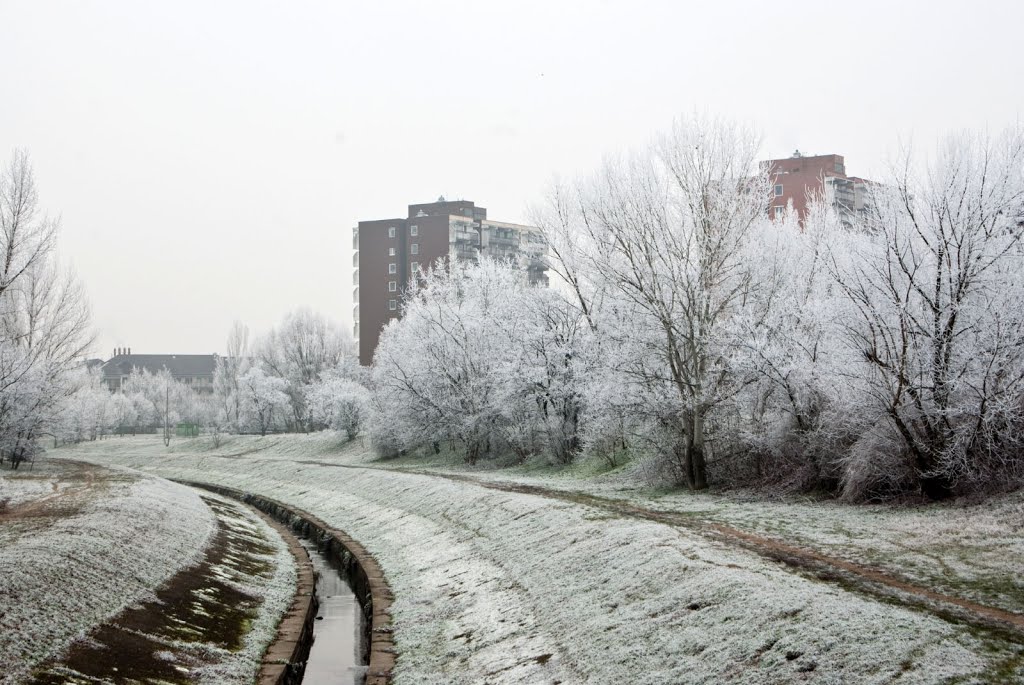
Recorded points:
(336, 657)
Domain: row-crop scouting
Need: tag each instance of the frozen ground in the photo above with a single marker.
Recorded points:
(271, 584)
(77, 551)
(88, 556)
(974, 551)
(506, 587)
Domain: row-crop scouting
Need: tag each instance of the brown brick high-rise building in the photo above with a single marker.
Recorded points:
(390, 251)
(799, 177)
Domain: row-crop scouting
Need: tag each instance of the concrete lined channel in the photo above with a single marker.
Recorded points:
(352, 640)
(336, 656)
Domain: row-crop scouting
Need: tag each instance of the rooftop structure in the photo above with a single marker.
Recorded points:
(194, 370)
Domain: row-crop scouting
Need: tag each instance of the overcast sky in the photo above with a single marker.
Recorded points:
(209, 159)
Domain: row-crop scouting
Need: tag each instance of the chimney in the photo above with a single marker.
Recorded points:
(129, 351)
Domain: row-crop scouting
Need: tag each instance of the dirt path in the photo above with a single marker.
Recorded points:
(847, 574)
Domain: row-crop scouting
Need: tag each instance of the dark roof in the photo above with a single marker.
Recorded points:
(179, 365)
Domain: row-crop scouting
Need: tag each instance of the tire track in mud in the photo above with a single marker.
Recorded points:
(846, 574)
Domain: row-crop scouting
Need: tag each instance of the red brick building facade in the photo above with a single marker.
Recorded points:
(799, 178)
(390, 251)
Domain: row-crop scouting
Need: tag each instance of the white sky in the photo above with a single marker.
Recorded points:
(210, 158)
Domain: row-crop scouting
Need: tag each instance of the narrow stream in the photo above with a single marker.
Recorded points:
(337, 654)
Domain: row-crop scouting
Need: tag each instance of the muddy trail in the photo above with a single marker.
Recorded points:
(844, 573)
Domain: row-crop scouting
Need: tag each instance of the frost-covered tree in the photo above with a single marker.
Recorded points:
(214, 416)
(667, 230)
(145, 410)
(87, 412)
(123, 412)
(866, 356)
(44, 318)
(434, 368)
(544, 365)
(299, 351)
(227, 374)
(339, 403)
(934, 273)
(265, 404)
(791, 420)
(160, 398)
(483, 361)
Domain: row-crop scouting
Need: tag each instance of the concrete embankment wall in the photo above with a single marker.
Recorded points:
(358, 567)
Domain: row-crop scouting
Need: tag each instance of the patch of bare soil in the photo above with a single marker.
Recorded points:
(165, 639)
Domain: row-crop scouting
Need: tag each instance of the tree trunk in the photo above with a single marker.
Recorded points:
(696, 461)
(937, 487)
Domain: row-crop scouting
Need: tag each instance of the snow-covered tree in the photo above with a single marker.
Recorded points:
(432, 368)
(864, 356)
(265, 404)
(123, 412)
(481, 360)
(299, 351)
(215, 416)
(934, 273)
(44, 318)
(160, 398)
(668, 231)
(339, 403)
(88, 412)
(227, 374)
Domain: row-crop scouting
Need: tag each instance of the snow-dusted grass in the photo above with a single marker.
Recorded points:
(275, 592)
(15, 490)
(507, 588)
(968, 550)
(81, 558)
(973, 551)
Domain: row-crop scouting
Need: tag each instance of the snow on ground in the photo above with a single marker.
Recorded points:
(275, 591)
(15, 491)
(503, 587)
(973, 551)
(74, 561)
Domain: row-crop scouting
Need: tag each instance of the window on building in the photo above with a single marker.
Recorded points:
(391, 252)
(415, 266)
(392, 268)
(393, 305)
(392, 286)
(391, 231)
(780, 212)
(414, 248)
(778, 190)
(414, 230)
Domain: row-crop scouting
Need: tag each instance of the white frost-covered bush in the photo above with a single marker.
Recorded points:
(339, 403)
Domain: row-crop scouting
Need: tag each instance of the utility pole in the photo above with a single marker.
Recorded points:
(167, 411)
